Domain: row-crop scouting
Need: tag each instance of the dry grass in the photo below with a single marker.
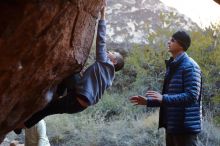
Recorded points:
(85, 130)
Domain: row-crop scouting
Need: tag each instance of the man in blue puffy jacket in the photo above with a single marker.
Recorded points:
(87, 89)
(180, 101)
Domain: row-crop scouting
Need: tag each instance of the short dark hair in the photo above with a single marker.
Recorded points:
(120, 62)
(183, 39)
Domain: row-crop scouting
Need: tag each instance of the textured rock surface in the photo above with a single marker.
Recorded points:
(218, 1)
(41, 42)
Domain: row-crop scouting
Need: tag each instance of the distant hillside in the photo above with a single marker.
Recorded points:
(130, 21)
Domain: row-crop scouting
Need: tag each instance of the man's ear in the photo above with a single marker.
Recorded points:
(114, 61)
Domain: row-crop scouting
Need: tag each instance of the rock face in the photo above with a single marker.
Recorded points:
(41, 42)
(217, 1)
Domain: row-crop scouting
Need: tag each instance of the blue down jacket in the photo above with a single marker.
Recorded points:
(181, 108)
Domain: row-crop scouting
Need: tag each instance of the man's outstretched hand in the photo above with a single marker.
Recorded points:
(155, 95)
(138, 100)
(142, 100)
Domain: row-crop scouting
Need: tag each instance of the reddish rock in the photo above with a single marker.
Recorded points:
(217, 1)
(41, 42)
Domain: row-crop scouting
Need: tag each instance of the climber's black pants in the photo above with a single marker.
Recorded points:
(67, 104)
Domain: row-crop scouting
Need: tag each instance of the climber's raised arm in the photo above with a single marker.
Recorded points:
(101, 54)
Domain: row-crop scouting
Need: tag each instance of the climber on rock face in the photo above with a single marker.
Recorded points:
(85, 90)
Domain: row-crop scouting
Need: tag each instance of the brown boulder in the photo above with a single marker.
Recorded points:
(217, 1)
(41, 42)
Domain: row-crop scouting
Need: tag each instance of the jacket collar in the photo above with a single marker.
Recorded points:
(175, 62)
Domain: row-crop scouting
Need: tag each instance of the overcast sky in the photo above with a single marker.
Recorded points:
(203, 12)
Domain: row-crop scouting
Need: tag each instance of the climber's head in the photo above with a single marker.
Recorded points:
(117, 59)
